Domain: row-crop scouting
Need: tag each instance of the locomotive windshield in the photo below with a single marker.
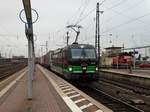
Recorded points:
(83, 53)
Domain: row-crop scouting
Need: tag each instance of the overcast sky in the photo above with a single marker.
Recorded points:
(127, 20)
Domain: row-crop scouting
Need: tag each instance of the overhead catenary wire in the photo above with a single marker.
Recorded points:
(85, 5)
(84, 8)
(81, 19)
(116, 5)
(128, 22)
(91, 11)
(7, 35)
(125, 23)
(74, 15)
(134, 5)
(95, 9)
(120, 13)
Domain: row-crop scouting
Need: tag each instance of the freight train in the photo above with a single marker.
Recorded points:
(74, 62)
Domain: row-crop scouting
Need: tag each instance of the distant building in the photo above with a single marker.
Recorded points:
(18, 59)
(107, 56)
(112, 51)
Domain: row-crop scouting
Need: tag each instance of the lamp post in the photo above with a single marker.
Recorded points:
(29, 34)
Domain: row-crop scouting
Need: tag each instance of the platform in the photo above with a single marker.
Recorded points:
(138, 77)
(136, 73)
(45, 98)
(50, 94)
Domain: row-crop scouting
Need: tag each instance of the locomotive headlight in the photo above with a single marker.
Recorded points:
(96, 68)
(84, 68)
(70, 69)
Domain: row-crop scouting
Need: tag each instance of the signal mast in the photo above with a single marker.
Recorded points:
(97, 34)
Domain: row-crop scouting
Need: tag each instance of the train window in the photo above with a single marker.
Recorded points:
(90, 53)
(83, 53)
(76, 53)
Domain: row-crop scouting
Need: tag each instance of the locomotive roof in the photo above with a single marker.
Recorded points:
(77, 46)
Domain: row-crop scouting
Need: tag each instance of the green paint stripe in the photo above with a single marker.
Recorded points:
(90, 71)
(78, 69)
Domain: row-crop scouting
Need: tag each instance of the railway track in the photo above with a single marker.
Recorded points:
(113, 103)
(140, 101)
(9, 69)
(131, 86)
(118, 102)
(4, 65)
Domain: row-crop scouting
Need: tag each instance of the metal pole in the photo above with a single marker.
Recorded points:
(29, 35)
(30, 70)
(134, 59)
(31, 51)
(67, 38)
(97, 35)
(98, 31)
(41, 51)
(33, 61)
(117, 61)
(46, 46)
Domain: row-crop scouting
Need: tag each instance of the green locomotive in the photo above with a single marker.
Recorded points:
(75, 62)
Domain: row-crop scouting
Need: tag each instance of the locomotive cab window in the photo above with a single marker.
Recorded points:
(90, 53)
(83, 53)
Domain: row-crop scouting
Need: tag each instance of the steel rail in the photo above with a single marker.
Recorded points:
(131, 86)
(10, 70)
(113, 103)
